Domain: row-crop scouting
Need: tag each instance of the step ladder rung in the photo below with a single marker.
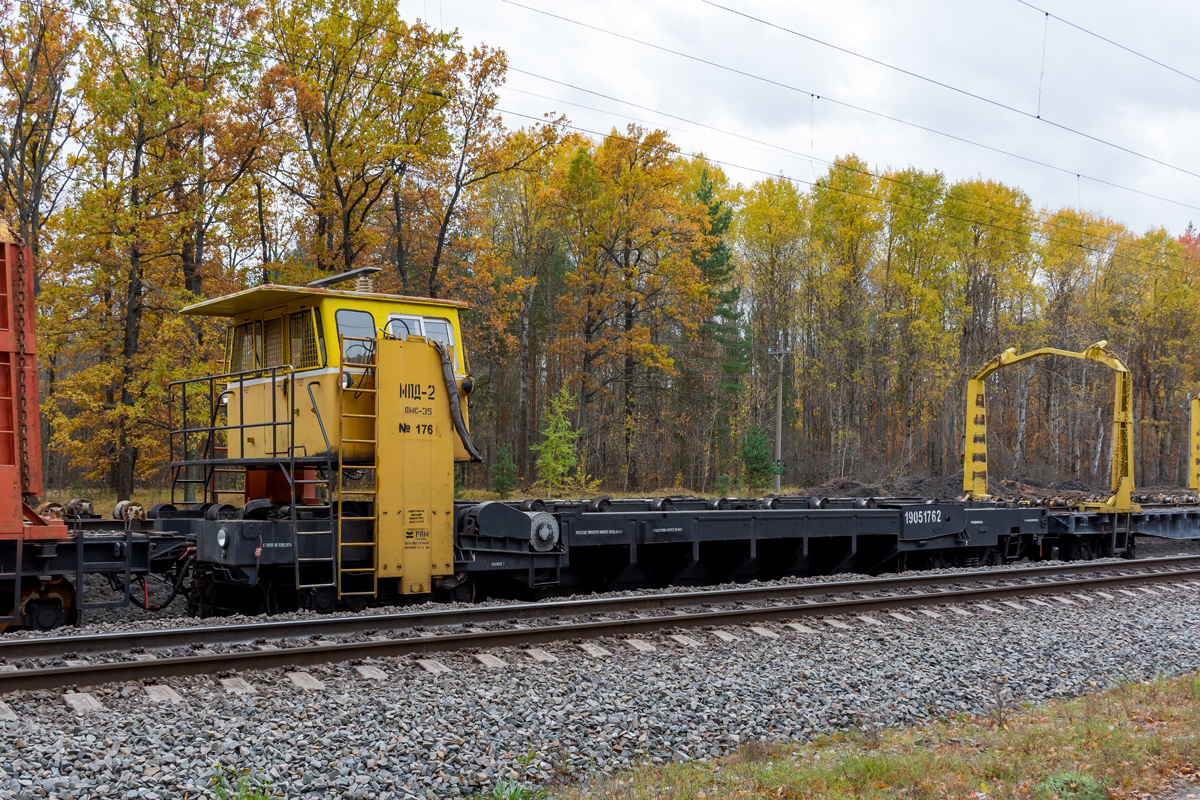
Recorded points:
(316, 585)
(356, 491)
(358, 441)
(357, 390)
(360, 416)
(356, 544)
(356, 519)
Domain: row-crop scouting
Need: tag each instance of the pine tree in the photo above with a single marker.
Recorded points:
(723, 327)
(503, 473)
(556, 455)
(758, 466)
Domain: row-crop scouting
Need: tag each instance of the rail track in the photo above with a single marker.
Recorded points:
(941, 589)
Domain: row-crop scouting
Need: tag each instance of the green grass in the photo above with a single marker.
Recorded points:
(241, 785)
(1132, 740)
(510, 789)
(1072, 786)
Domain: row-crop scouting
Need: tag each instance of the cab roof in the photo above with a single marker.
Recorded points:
(271, 296)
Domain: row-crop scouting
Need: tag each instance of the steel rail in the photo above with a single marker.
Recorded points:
(211, 663)
(59, 646)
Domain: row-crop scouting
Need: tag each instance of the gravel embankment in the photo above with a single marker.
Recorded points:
(420, 735)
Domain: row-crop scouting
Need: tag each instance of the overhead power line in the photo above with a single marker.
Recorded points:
(845, 104)
(806, 156)
(355, 75)
(876, 175)
(885, 201)
(797, 154)
(1112, 42)
(880, 176)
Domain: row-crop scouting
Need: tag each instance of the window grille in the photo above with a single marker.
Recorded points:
(304, 340)
(273, 342)
(243, 356)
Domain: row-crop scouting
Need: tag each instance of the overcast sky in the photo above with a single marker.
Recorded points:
(991, 48)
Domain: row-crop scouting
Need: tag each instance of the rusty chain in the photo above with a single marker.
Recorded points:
(22, 389)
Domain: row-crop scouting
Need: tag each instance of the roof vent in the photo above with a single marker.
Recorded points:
(361, 277)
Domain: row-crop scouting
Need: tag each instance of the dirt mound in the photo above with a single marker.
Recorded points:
(908, 486)
(845, 487)
(950, 487)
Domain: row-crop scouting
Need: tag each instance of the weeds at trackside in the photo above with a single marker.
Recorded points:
(1131, 740)
(511, 789)
(242, 784)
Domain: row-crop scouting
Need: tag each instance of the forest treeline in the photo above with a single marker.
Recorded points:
(153, 155)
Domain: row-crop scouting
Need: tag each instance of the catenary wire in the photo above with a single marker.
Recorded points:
(807, 157)
(353, 74)
(880, 176)
(886, 201)
(1066, 171)
(967, 93)
(845, 104)
(1105, 39)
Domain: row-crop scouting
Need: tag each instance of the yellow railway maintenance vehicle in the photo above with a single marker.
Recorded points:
(325, 393)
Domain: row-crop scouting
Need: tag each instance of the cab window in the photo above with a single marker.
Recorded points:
(353, 325)
(402, 326)
(440, 330)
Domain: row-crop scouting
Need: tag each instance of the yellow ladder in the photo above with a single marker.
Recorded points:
(360, 579)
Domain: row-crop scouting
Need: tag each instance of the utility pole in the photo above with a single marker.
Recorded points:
(779, 352)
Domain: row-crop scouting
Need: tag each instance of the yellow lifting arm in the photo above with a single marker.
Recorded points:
(975, 473)
(1194, 447)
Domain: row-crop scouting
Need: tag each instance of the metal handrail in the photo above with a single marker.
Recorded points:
(282, 373)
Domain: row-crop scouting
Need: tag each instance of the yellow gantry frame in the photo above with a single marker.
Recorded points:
(975, 475)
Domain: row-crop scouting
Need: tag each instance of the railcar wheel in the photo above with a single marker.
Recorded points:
(322, 600)
(45, 608)
(44, 615)
(465, 592)
(1081, 551)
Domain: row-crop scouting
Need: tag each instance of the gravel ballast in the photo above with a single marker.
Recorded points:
(416, 734)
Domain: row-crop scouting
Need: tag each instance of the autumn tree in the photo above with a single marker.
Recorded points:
(39, 46)
(631, 237)
(119, 293)
(345, 79)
